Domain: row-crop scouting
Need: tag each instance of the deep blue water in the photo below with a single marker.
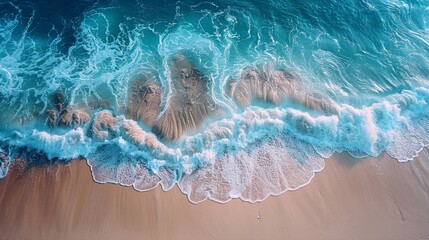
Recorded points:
(369, 59)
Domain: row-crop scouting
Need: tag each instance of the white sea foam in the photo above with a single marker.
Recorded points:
(249, 155)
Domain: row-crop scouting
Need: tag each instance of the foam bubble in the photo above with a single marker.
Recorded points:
(4, 163)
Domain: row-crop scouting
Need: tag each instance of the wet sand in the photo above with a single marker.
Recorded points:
(350, 199)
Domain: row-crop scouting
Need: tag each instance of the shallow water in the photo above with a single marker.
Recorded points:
(280, 86)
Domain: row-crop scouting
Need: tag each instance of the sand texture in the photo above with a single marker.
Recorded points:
(63, 115)
(274, 87)
(349, 199)
(104, 126)
(187, 105)
(144, 99)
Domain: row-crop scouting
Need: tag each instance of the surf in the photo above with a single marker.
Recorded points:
(223, 100)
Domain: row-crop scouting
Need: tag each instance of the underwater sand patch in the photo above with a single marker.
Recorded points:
(104, 126)
(144, 99)
(63, 115)
(189, 102)
(274, 87)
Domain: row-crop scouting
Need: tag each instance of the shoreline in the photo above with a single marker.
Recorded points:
(158, 186)
(370, 198)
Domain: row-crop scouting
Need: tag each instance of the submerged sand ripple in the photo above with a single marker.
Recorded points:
(73, 117)
(144, 100)
(189, 102)
(104, 126)
(63, 115)
(276, 86)
(256, 84)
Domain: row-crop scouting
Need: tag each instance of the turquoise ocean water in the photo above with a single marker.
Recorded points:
(368, 58)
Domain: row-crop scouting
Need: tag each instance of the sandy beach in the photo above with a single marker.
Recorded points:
(350, 199)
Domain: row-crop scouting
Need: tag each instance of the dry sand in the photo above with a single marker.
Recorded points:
(349, 199)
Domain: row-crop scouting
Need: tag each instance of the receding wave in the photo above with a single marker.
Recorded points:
(214, 99)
